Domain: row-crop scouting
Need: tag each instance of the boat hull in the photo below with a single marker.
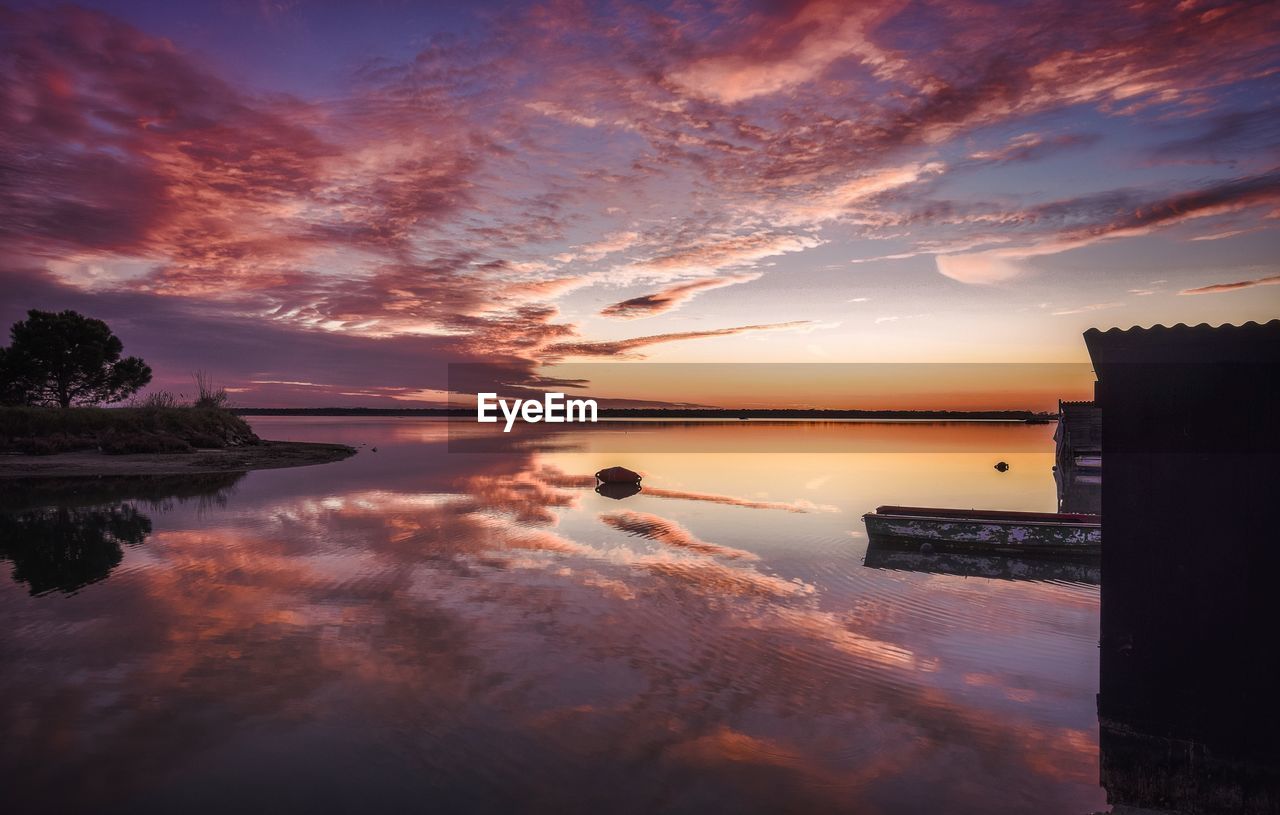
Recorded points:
(986, 534)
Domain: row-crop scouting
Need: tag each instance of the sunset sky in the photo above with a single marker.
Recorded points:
(324, 203)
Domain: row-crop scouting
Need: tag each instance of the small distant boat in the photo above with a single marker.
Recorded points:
(987, 530)
(618, 475)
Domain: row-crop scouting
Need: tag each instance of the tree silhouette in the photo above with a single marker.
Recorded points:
(12, 391)
(67, 359)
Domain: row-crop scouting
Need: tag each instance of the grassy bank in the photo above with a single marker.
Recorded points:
(93, 465)
(44, 431)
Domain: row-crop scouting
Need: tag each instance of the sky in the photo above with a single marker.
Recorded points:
(320, 203)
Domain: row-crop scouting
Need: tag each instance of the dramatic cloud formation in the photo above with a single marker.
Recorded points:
(483, 187)
(1119, 215)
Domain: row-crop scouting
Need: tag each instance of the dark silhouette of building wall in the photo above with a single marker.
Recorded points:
(1191, 555)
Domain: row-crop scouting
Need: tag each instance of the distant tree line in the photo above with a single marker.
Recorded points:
(61, 359)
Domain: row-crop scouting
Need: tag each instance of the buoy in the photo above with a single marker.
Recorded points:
(618, 475)
(1002, 466)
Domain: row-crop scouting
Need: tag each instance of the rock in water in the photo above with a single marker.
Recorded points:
(618, 491)
(618, 475)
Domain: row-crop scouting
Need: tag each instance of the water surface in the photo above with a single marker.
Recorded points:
(421, 629)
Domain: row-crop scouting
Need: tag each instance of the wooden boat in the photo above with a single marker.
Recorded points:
(987, 530)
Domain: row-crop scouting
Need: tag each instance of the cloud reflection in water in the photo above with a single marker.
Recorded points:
(484, 631)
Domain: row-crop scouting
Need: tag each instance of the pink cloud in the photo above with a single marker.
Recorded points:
(784, 54)
(1120, 216)
(1218, 288)
(671, 297)
(712, 252)
(617, 348)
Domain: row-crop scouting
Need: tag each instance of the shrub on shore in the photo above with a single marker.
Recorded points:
(157, 399)
(42, 431)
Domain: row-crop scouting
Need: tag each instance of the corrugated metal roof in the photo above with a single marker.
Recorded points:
(1251, 342)
(1183, 327)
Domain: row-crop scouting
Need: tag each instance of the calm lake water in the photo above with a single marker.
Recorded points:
(416, 629)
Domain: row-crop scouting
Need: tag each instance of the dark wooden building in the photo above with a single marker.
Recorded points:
(1078, 465)
(1189, 696)
(1079, 432)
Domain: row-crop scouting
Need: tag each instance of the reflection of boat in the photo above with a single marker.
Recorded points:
(973, 564)
(1093, 463)
(1079, 491)
(987, 530)
(1079, 434)
(618, 491)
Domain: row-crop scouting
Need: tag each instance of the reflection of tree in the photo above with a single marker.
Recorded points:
(64, 534)
(156, 491)
(65, 549)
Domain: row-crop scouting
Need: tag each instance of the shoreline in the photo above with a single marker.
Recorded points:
(269, 455)
(686, 414)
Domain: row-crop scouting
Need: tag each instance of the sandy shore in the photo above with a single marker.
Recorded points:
(269, 455)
